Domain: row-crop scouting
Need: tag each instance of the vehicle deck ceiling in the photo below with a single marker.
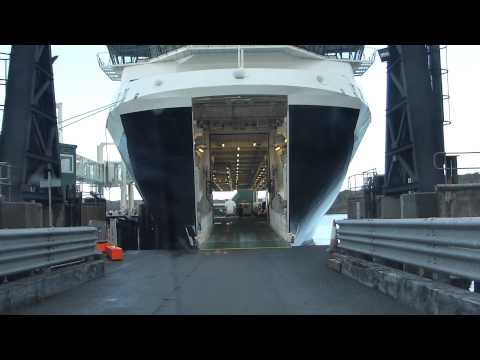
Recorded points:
(250, 167)
(243, 122)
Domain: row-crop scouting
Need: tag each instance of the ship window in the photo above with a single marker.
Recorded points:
(67, 163)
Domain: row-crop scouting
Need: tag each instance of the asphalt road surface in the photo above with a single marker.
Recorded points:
(261, 281)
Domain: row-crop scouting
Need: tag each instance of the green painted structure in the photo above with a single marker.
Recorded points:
(68, 159)
(244, 196)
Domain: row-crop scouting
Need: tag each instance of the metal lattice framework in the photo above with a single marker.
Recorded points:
(29, 140)
(414, 130)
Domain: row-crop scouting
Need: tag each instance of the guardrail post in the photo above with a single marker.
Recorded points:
(333, 238)
(461, 283)
(440, 277)
(378, 260)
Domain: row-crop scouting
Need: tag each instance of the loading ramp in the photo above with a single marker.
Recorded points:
(243, 233)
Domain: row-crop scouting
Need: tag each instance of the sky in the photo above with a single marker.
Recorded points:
(81, 86)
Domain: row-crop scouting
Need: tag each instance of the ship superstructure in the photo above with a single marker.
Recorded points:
(193, 119)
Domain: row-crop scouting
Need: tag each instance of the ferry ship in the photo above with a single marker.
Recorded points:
(189, 120)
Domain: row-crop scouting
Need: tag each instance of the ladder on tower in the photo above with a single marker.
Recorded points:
(4, 59)
(446, 85)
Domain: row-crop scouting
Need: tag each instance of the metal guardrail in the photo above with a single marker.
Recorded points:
(446, 245)
(445, 166)
(449, 163)
(23, 250)
(361, 181)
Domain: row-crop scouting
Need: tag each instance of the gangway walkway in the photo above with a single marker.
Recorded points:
(262, 281)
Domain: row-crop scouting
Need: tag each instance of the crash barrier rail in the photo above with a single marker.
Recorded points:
(23, 250)
(445, 245)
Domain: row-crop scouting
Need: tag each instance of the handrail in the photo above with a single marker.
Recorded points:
(365, 176)
(451, 169)
(443, 167)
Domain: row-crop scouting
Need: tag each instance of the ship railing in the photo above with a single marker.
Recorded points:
(361, 57)
(107, 66)
(4, 62)
(112, 65)
(366, 60)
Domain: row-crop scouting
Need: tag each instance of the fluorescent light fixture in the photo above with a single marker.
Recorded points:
(254, 144)
(238, 148)
(223, 145)
(277, 148)
(238, 155)
(200, 149)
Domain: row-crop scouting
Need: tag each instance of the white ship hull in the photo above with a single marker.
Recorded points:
(311, 84)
